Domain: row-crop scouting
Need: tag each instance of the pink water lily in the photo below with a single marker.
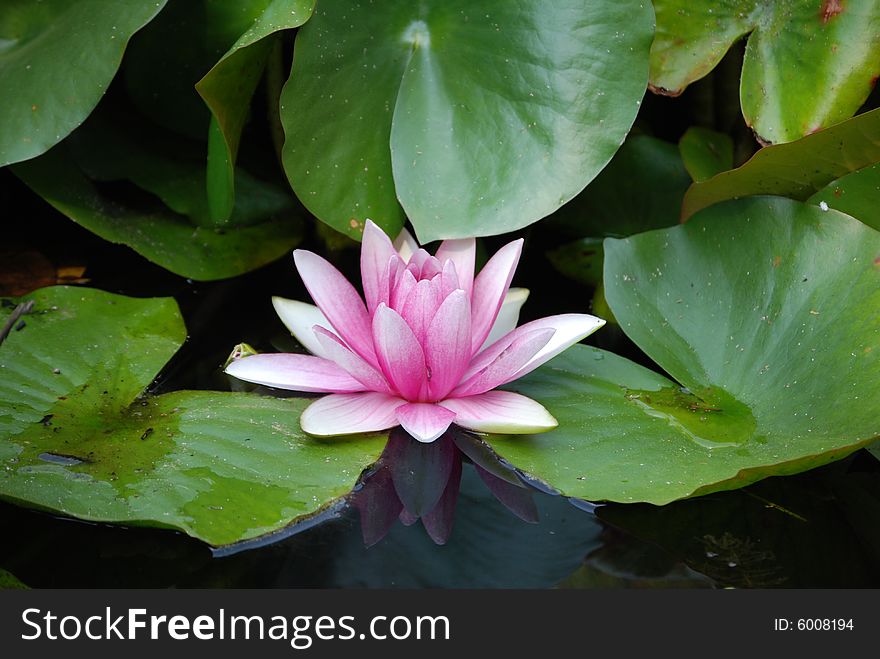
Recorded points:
(428, 348)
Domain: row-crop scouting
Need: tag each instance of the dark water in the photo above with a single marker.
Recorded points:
(818, 529)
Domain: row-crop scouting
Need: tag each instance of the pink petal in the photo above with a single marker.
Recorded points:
(376, 253)
(339, 301)
(490, 287)
(448, 344)
(300, 318)
(424, 421)
(352, 363)
(570, 328)
(405, 245)
(431, 268)
(508, 315)
(421, 306)
(399, 353)
(417, 261)
(402, 289)
(502, 369)
(501, 412)
(344, 414)
(297, 372)
(449, 280)
(462, 254)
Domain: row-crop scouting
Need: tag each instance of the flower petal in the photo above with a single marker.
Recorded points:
(448, 344)
(490, 287)
(502, 369)
(401, 290)
(570, 328)
(424, 421)
(344, 414)
(399, 353)
(296, 372)
(500, 411)
(508, 315)
(376, 252)
(339, 301)
(351, 362)
(462, 253)
(300, 318)
(421, 306)
(405, 245)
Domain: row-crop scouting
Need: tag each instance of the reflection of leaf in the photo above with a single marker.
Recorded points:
(153, 230)
(807, 64)
(765, 309)
(750, 539)
(77, 439)
(795, 170)
(228, 87)
(480, 118)
(57, 59)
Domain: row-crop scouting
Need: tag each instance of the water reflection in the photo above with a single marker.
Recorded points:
(415, 481)
(818, 529)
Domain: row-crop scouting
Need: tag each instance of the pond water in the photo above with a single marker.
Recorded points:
(818, 529)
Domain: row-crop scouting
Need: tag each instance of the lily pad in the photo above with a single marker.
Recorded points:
(8, 581)
(796, 170)
(705, 152)
(765, 312)
(228, 87)
(807, 64)
(152, 229)
(480, 118)
(78, 438)
(57, 58)
(856, 194)
(640, 189)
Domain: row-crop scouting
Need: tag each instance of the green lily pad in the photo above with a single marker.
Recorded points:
(78, 438)
(640, 189)
(807, 65)
(765, 312)
(856, 194)
(480, 118)
(705, 152)
(798, 169)
(151, 228)
(8, 581)
(228, 87)
(57, 58)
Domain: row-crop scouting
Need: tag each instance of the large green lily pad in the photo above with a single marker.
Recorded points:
(162, 234)
(808, 63)
(57, 58)
(798, 169)
(764, 311)
(78, 438)
(476, 117)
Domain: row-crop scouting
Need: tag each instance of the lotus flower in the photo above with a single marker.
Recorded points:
(428, 348)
